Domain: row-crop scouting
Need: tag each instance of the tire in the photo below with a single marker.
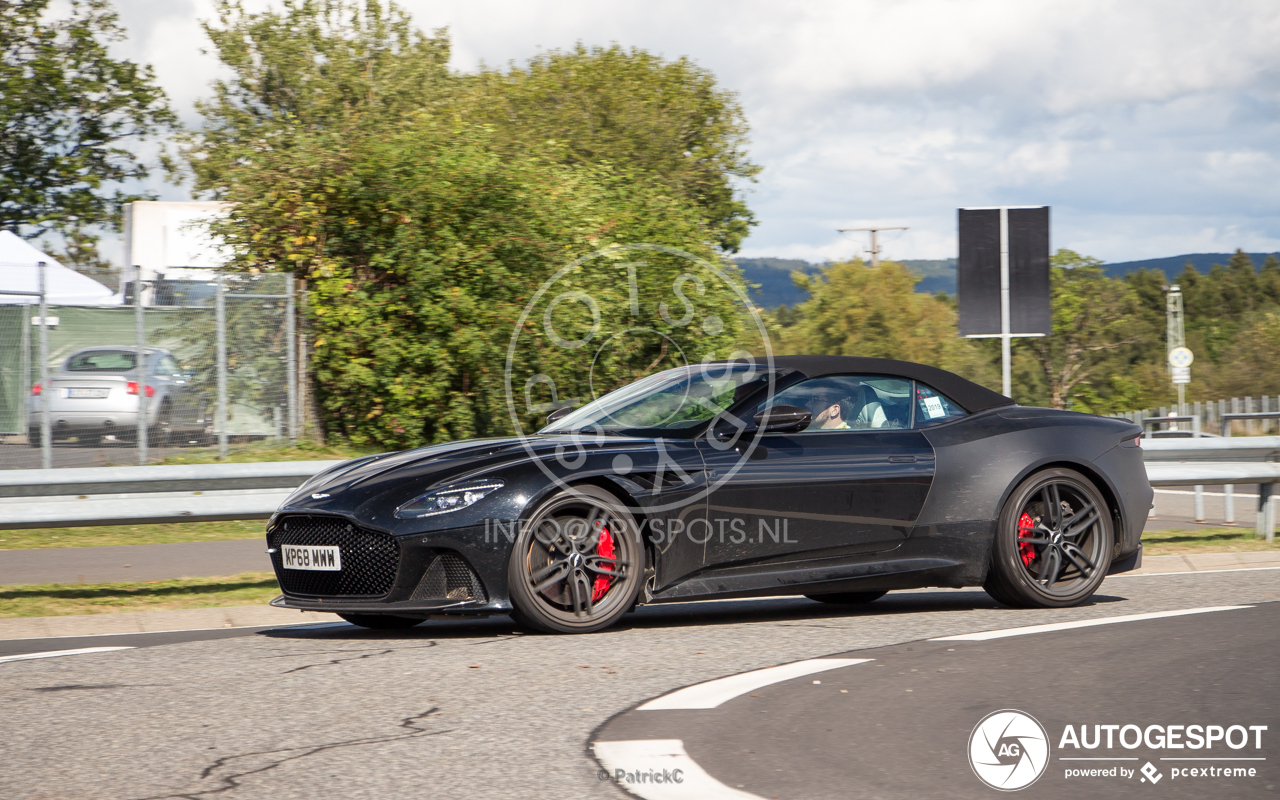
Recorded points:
(382, 622)
(33, 437)
(161, 435)
(577, 564)
(1045, 560)
(848, 598)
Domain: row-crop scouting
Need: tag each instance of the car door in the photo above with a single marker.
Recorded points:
(853, 482)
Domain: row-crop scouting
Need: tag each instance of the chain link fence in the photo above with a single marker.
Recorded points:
(195, 371)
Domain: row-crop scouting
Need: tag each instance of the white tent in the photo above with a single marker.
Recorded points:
(64, 287)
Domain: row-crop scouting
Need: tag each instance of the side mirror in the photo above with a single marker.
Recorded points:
(783, 419)
(558, 414)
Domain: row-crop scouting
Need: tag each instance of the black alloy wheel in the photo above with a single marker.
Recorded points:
(162, 434)
(576, 563)
(382, 622)
(1054, 542)
(848, 598)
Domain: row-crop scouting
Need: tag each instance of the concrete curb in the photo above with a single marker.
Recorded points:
(187, 619)
(1201, 562)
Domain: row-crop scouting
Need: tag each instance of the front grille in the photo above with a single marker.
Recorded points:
(450, 578)
(370, 559)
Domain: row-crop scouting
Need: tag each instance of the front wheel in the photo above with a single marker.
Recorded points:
(577, 564)
(1053, 542)
(381, 622)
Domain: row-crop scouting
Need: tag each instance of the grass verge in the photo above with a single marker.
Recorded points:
(62, 599)
(104, 535)
(1204, 540)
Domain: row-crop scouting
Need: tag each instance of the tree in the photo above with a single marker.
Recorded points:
(422, 244)
(312, 66)
(856, 310)
(1095, 319)
(71, 117)
(626, 107)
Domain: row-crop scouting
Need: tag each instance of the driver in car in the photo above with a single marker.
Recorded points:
(831, 412)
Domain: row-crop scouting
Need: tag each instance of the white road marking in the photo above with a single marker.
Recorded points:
(646, 758)
(1083, 623)
(55, 653)
(713, 693)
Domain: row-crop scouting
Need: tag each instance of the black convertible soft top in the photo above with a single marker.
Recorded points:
(969, 395)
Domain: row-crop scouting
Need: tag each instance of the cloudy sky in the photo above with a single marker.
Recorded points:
(1151, 128)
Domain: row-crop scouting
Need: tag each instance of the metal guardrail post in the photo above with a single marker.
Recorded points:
(220, 322)
(1228, 491)
(1265, 525)
(140, 337)
(291, 337)
(46, 391)
(1199, 489)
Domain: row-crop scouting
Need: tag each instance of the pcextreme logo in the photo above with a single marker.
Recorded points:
(1008, 750)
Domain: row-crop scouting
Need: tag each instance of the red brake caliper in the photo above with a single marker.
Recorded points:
(604, 547)
(1025, 549)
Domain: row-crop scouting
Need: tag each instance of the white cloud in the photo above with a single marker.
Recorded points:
(1151, 127)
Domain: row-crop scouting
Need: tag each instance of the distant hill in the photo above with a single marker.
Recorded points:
(939, 275)
(774, 277)
(1173, 265)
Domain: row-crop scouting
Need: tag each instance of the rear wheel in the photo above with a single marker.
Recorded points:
(381, 622)
(847, 598)
(576, 565)
(1053, 542)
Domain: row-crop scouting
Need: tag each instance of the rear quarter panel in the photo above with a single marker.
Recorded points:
(980, 459)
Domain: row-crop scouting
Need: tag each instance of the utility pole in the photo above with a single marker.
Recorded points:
(875, 243)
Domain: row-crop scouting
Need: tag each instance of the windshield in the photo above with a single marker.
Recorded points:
(674, 400)
(102, 361)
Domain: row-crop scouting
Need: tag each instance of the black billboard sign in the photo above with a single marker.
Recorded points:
(978, 273)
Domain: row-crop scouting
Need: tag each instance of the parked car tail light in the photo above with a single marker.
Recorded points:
(36, 390)
(132, 388)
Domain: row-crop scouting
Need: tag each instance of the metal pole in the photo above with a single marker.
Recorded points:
(1006, 349)
(140, 337)
(291, 336)
(303, 395)
(1195, 434)
(220, 306)
(1263, 525)
(46, 391)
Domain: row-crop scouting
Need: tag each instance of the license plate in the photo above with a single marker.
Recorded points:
(326, 559)
(88, 393)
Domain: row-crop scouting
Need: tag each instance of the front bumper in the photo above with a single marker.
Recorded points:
(452, 571)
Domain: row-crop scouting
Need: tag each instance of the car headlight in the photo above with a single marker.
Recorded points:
(443, 501)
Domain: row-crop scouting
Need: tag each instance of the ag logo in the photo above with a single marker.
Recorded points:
(1008, 750)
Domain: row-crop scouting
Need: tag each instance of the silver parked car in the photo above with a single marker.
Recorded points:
(96, 392)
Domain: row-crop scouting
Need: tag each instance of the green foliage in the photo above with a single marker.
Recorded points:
(312, 65)
(856, 310)
(607, 104)
(422, 247)
(70, 115)
(1097, 331)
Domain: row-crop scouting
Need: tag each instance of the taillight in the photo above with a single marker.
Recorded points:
(132, 388)
(1137, 442)
(35, 390)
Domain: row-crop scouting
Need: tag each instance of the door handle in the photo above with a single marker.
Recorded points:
(902, 459)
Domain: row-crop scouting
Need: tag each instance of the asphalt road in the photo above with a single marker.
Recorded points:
(476, 709)
(16, 454)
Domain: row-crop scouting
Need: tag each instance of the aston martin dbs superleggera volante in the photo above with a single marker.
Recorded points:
(831, 477)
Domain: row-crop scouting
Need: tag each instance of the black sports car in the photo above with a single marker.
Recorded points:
(832, 477)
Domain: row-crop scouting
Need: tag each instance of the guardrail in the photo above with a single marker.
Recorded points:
(208, 492)
(37, 498)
